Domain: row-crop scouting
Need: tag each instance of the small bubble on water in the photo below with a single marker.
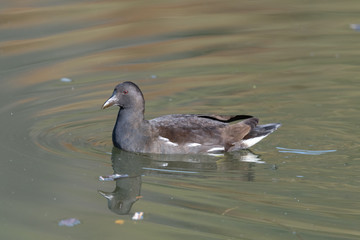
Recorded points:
(64, 79)
(274, 167)
(70, 222)
(355, 27)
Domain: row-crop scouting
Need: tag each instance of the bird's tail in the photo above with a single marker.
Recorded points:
(258, 133)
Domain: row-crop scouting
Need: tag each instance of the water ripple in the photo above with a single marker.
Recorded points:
(304, 151)
(76, 136)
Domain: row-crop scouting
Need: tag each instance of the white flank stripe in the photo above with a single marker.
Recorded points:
(215, 149)
(167, 141)
(193, 144)
(163, 139)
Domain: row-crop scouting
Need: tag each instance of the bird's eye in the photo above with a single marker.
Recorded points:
(125, 91)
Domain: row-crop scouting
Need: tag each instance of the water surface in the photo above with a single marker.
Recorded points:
(294, 63)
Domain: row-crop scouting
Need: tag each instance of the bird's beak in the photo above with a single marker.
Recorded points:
(110, 102)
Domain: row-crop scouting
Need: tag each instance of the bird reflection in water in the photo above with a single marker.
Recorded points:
(127, 175)
(130, 167)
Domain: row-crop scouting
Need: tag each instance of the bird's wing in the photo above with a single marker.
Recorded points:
(189, 128)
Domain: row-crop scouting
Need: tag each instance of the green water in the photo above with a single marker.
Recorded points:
(291, 62)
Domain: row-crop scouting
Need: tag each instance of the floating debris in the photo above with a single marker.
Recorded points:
(66, 79)
(303, 151)
(70, 222)
(138, 216)
(355, 27)
(119, 221)
(229, 209)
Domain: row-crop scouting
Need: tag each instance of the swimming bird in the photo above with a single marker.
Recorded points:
(179, 133)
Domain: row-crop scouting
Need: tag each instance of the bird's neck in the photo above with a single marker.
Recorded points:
(129, 117)
(129, 123)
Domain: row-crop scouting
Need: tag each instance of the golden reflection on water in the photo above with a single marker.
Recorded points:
(137, 40)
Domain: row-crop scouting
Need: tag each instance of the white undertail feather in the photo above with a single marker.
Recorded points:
(252, 141)
(271, 127)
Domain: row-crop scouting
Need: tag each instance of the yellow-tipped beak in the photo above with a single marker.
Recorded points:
(110, 102)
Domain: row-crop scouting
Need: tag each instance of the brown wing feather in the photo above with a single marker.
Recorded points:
(236, 132)
(182, 129)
